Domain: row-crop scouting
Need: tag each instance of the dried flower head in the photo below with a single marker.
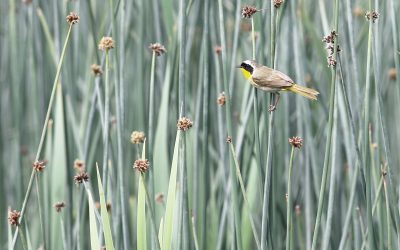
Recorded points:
(157, 48)
(248, 11)
(81, 177)
(330, 45)
(79, 165)
(160, 198)
(26, 2)
(278, 3)
(372, 16)
(229, 139)
(59, 206)
(296, 141)
(297, 210)
(106, 43)
(221, 99)
(218, 50)
(392, 73)
(184, 124)
(13, 217)
(358, 11)
(141, 165)
(39, 165)
(108, 206)
(137, 137)
(96, 70)
(72, 18)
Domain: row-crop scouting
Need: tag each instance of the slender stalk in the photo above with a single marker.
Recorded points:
(151, 107)
(120, 151)
(40, 211)
(326, 165)
(255, 110)
(388, 230)
(239, 176)
(196, 241)
(43, 135)
(289, 224)
(268, 170)
(236, 235)
(367, 170)
(153, 222)
(106, 123)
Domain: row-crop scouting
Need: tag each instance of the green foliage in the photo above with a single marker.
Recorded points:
(210, 194)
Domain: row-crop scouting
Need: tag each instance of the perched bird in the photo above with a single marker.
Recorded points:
(272, 80)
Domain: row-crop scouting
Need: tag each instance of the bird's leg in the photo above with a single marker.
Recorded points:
(272, 108)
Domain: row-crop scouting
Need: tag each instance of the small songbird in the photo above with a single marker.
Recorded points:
(274, 81)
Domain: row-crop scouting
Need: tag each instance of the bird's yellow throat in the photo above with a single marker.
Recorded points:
(246, 73)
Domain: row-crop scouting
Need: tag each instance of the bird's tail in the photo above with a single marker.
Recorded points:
(304, 91)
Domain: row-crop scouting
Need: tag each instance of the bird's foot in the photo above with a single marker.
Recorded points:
(271, 108)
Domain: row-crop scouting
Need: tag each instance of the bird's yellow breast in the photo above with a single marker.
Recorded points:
(246, 73)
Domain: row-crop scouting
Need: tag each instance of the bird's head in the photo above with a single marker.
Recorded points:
(247, 67)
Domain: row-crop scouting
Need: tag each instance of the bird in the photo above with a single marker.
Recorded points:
(272, 80)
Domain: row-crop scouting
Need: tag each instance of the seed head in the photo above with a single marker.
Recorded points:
(81, 177)
(278, 3)
(184, 124)
(392, 73)
(229, 140)
(297, 210)
(221, 99)
(160, 198)
(296, 141)
(106, 43)
(372, 16)
(96, 70)
(218, 50)
(72, 18)
(248, 11)
(79, 165)
(157, 48)
(59, 206)
(13, 217)
(39, 165)
(141, 165)
(137, 137)
(358, 11)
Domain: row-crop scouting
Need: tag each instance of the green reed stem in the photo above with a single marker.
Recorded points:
(365, 148)
(326, 165)
(106, 123)
(40, 211)
(289, 224)
(43, 135)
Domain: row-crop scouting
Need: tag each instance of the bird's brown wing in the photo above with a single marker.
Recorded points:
(268, 78)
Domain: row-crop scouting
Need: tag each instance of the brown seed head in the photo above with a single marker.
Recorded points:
(106, 43)
(286, 197)
(218, 50)
(13, 217)
(184, 124)
(160, 198)
(79, 165)
(297, 210)
(137, 137)
(392, 73)
(39, 165)
(141, 165)
(59, 206)
(248, 11)
(96, 70)
(358, 11)
(296, 141)
(229, 140)
(221, 99)
(108, 206)
(157, 48)
(372, 16)
(81, 177)
(278, 3)
(72, 18)
(26, 2)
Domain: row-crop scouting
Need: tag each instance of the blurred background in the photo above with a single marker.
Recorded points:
(350, 135)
